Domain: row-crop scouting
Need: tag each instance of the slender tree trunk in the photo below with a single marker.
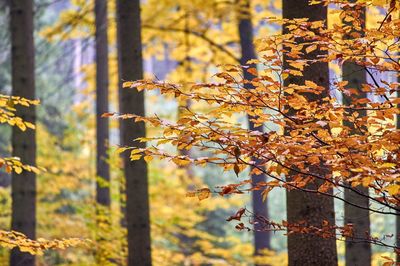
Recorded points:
(306, 249)
(137, 196)
(102, 131)
(260, 208)
(103, 169)
(23, 185)
(356, 76)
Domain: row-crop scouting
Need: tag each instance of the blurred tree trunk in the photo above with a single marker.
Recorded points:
(23, 185)
(130, 101)
(306, 249)
(356, 76)
(102, 131)
(5, 54)
(245, 27)
(103, 169)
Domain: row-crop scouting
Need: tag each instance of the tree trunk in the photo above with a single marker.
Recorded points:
(356, 76)
(102, 132)
(245, 27)
(130, 101)
(306, 249)
(103, 169)
(23, 185)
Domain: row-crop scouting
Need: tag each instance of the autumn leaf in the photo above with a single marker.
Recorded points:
(107, 114)
(238, 215)
(203, 193)
(393, 189)
(236, 169)
(311, 48)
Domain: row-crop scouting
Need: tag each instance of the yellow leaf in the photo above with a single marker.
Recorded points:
(17, 169)
(148, 158)
(388, 165)
(296, 73)
(311, 84)
(366, 181)
(21, 125)
(298, 65)
(181, 161)
(204, 193)
(289, 90)
(357, 170)
(127, 84)
(311, 48)
(135, 157)
(121, 149)
(30, 125)
(393, 189)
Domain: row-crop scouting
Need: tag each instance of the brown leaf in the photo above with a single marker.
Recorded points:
(238, 215)
(236, 169)
(107, 114)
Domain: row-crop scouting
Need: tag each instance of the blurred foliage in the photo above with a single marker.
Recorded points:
(187, 40)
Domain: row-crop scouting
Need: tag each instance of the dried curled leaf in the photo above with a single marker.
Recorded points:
(238, 215)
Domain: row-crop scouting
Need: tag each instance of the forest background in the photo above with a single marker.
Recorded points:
(182, 42)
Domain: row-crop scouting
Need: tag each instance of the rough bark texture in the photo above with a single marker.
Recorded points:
(131, 101)
(245, 27)
(102, 132)
(356, 76)
(306, 249)
(23, 185)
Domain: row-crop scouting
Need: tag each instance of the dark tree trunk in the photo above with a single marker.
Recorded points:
(102, 131)
(102, 166)
(356, 76)
(23, 185)
(131, 101)
(306, 249)
(103, 169)
(245, 27)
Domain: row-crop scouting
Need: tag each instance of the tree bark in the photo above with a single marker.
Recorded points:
(102, 169)
(102, 131)
(304, 249)
(356, 76)
(23, 185)
(130, 101)
(260, 208)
